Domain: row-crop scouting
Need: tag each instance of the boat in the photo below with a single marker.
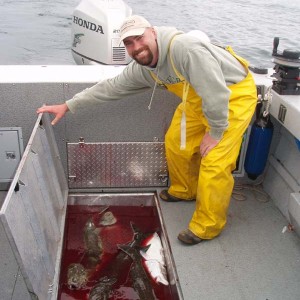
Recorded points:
(109, 155)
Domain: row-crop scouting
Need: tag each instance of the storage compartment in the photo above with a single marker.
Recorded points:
(99, 252)
(11, 150)
(35, 230)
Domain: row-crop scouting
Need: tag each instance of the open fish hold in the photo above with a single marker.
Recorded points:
(139, 225)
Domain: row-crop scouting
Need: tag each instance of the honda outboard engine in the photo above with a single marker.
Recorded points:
(95, 32)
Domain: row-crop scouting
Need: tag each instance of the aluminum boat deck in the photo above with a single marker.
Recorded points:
(257, 256)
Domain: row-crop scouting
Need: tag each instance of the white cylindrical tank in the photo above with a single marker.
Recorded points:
(95, 32)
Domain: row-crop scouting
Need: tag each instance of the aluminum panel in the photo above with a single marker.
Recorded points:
(117, 164)
(33, 212)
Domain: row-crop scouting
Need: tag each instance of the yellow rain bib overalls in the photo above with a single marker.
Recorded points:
(209, 180)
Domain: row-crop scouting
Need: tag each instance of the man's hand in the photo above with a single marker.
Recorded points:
(207, 144)
(58, 110)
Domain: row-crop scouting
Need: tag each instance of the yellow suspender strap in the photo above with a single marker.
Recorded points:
(185, 92)
(183, 116)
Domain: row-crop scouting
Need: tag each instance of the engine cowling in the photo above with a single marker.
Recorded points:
(95, 32)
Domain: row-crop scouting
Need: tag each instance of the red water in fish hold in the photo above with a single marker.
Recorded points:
(145, 218)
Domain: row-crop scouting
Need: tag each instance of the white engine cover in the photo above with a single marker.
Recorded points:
(95, 32)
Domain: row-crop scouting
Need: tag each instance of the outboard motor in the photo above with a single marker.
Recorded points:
(96, 31)
(287, 68)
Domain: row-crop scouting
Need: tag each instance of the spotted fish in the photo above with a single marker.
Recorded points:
(77, 276)
(107, 219)
(93, 244)
(102, 289)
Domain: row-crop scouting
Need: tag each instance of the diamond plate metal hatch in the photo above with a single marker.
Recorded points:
(116, 165)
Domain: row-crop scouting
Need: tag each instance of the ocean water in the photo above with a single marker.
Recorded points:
(38, 32)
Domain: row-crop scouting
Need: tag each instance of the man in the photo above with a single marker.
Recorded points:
(203, 142)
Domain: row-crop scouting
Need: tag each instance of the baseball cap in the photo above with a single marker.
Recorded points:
(133, 25)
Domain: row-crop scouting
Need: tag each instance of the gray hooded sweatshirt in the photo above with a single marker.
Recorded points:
(207, 67)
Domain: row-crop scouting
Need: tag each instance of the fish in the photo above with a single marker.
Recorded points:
(155, 259)
(138, 235)
(102, 289)
(122, 261)
(77, 276)
(155, 250)
(92, 243)
(107, 219)
(110, 273)
(157, 271)
(140, 279)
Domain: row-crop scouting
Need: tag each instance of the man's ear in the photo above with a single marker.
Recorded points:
(154, 32)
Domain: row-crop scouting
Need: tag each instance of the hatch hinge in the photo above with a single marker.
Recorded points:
(163, 177)
(81, 142)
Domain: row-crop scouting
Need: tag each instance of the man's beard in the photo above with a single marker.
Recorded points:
(146, 60)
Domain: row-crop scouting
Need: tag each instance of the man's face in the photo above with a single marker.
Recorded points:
(143, 48)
